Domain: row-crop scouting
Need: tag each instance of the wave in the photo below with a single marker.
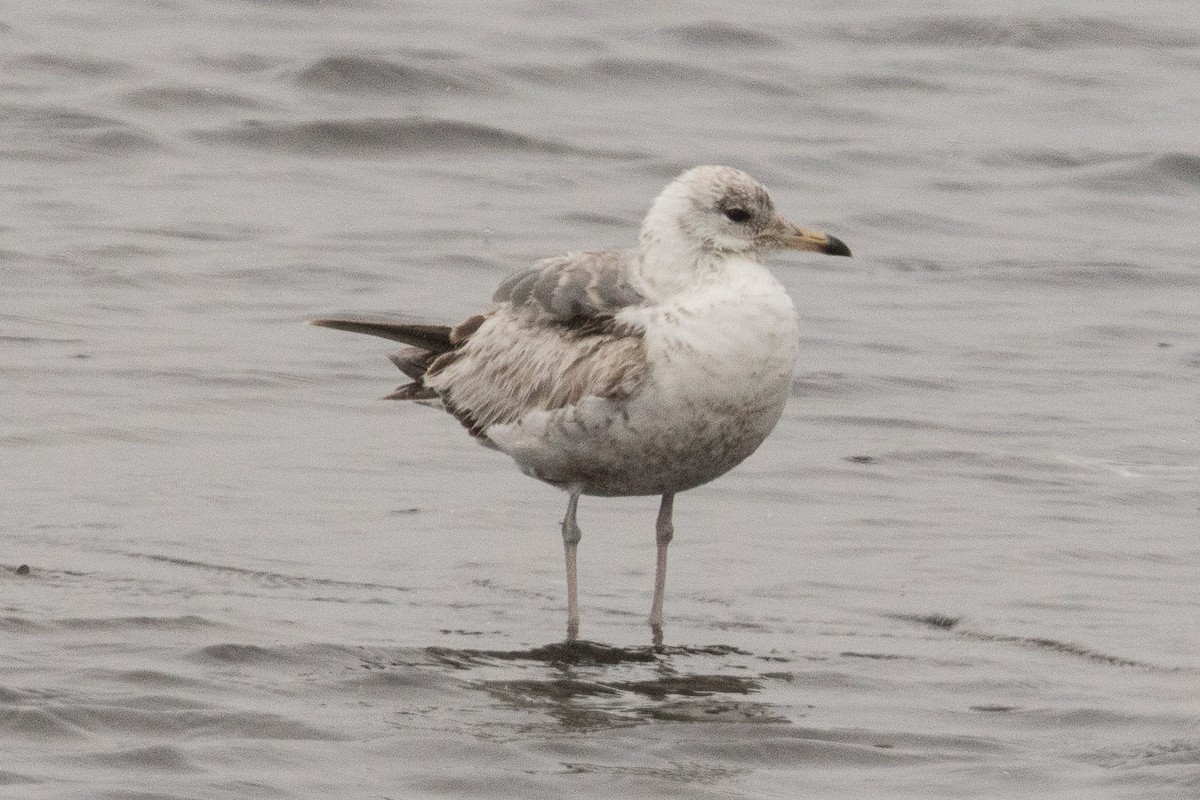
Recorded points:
(356, 73)
(1022, 32)
(378, 136)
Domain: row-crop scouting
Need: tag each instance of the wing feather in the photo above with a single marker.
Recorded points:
(574, 287)
(552, 340)
(509, 368)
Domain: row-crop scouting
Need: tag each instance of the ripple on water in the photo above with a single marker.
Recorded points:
(378, 136)
(176, 98)
(609, 74)
(162, 758)
(60, 133)
(717, 35)
(32, 722)
(67, 66)
(1033, 33)
(359, 73)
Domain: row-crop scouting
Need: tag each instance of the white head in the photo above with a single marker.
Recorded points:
(711, 213)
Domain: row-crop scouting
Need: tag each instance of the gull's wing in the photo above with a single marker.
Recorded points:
(552, 340)
(573, 288)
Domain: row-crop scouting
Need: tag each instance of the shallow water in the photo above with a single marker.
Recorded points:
(963, 566)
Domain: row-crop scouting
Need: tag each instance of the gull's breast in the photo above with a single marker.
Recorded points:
(722, 363)
(719, 367)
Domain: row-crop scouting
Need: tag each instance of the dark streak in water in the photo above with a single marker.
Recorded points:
(1033, 33)
(689, 686)
(649, 76)
(578, 653)
(355, 73)
(954, 624)
(714, 35)
(170, 98)
(187, 622)
(573, 653)
(378, 136)
(69, 66)
(656, 74)
(876, 656)
(263, 575)
(38, 340)
(65, 134)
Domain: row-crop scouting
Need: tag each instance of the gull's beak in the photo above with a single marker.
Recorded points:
(783, 234)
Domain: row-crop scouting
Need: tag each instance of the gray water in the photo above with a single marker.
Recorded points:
(964, 565)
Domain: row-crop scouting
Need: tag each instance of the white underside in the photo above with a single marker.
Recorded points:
(721, 356)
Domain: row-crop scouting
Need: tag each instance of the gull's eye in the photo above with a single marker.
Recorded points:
(737, 214)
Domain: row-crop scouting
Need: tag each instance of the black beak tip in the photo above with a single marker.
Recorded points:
(837, 247)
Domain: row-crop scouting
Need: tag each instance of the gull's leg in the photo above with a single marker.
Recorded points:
(663, 532)
(571, 536)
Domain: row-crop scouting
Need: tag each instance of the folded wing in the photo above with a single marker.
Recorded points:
(552, 340)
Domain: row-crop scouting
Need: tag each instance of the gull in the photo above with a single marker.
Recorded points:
(649, 371)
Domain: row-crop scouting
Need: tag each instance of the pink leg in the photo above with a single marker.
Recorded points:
(571, 536)
(663, 531)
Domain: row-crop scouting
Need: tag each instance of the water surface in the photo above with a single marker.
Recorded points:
(963, 566)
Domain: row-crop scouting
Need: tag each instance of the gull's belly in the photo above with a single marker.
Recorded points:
(720, 374)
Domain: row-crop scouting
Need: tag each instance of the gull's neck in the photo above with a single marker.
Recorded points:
(670, 259)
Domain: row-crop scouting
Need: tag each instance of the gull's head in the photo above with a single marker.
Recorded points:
(719, 211)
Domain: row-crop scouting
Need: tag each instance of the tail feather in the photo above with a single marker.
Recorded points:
(413, 361)
(427, 343)
(412, 391)
(434, 338)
